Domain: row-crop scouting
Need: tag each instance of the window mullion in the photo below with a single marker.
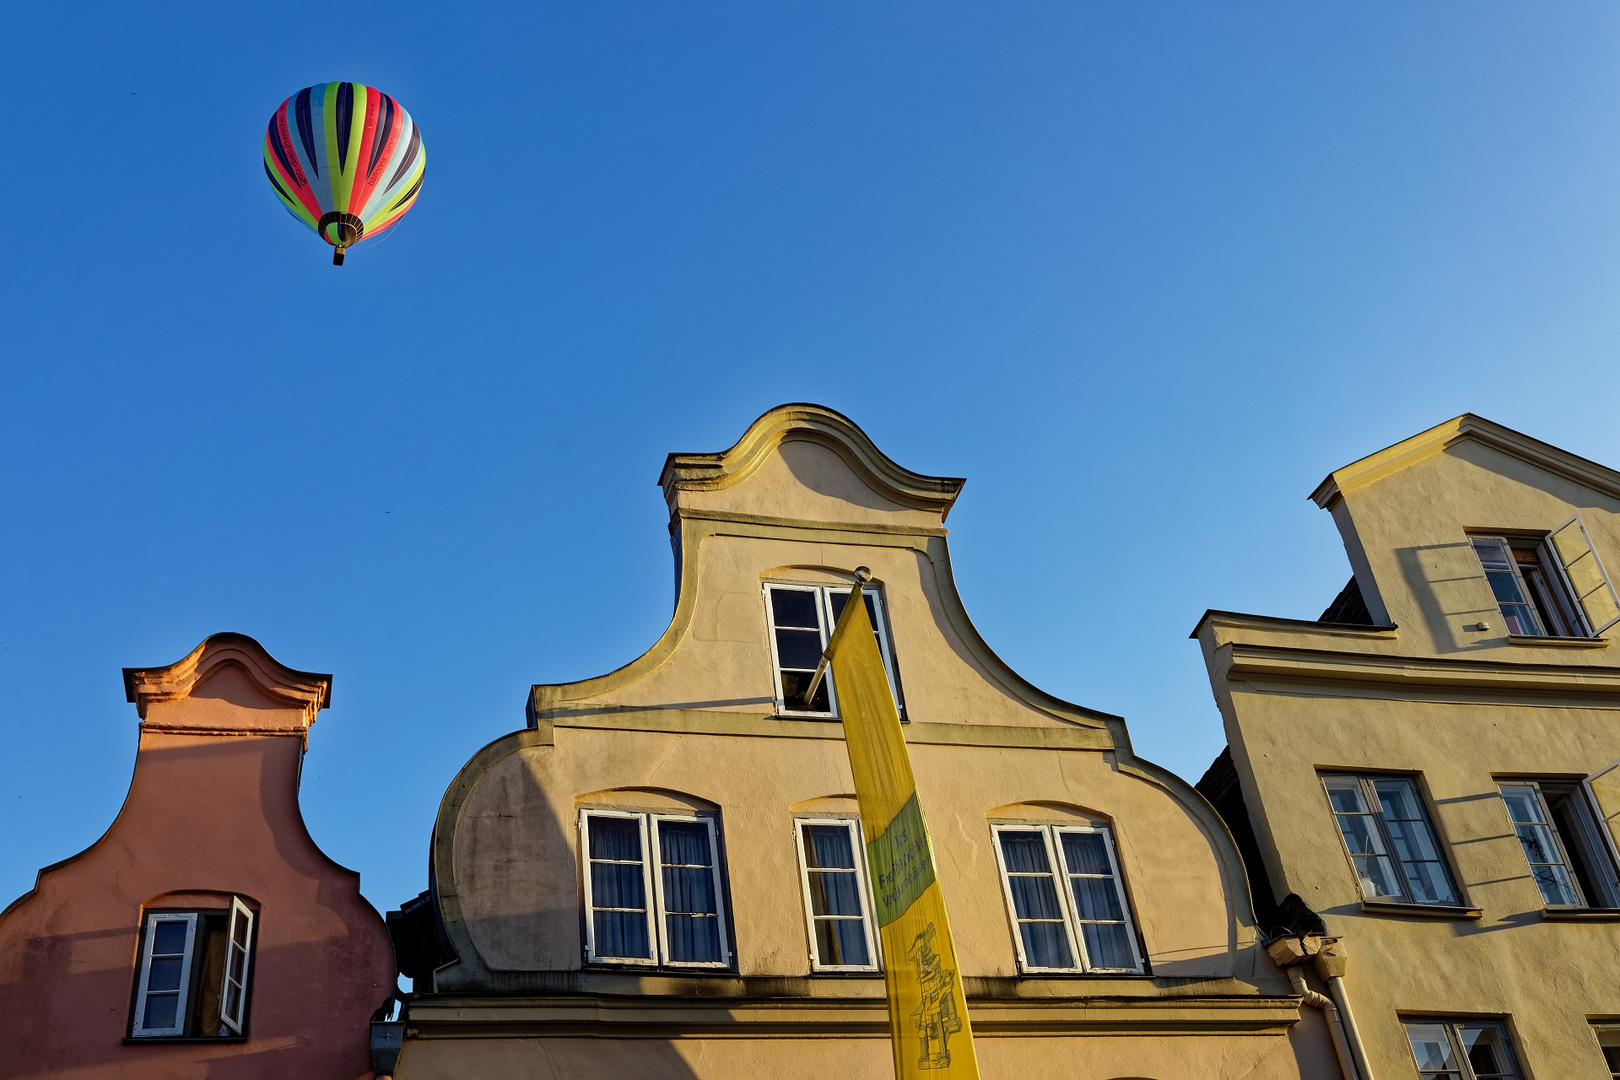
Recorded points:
(1065, 889)
(824, 616)
(652, 877)
(719, 894)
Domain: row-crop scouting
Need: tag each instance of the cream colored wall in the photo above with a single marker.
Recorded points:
(1413, 526)
(1300, 703)
(1142, 1057)
(518, 828)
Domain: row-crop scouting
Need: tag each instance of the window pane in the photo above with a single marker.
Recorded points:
(1486, 1048)
(1547, 865)
(828, 846)
(693, 939)
(834, 893)
(1024, 852)
(164, 975)
(615, 838)
(1431, 1046)
(1107, 945)
(161, 1010)
(1046, 945)
(1035, 898)
(683, 843)
(798, 649)
(794, 607)
(794, 684)
(169, 938)
(688, 889)
(618, 885)
(1086, 853)
(1097, 898)
(841, 943)
(621, 934)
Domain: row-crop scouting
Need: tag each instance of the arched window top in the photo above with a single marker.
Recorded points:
(1046, 811)
(646, 798)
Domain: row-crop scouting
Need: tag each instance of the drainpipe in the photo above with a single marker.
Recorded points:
(1331, 962)
(1290, 953)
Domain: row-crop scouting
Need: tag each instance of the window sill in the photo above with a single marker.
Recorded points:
(1422, 911)
(1559, 642)
(1581, 914)
(142, 1040)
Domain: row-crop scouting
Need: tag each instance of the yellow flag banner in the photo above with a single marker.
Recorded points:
(928, 1017)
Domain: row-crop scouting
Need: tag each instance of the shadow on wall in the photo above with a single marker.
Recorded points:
(1444, 600)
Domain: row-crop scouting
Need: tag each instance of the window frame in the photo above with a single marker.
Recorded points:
(1464, 1070)
(236, 1022)
(1058, 866)
(868, 910)
(652, 877)
(1611, 1028)
(137, 1028)
(823, 593)
(1578, 614)
(1369, 797)
(1595, 844)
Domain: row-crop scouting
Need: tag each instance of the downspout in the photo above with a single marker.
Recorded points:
(1330, 964)
(1290, 954)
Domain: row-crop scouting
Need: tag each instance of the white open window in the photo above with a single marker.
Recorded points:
(837, 903)
(192, 981)
(238, 951)
(1559, 829)
(652, 889)
(1066, 898)
(1388, 836)
(801, 619)
(163, 988)
(1549, 584)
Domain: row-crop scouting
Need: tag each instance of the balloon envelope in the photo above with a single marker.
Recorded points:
(344, 159)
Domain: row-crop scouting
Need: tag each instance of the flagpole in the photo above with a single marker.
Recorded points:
(862, 576)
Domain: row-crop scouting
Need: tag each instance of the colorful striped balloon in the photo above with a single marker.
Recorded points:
(345, 160)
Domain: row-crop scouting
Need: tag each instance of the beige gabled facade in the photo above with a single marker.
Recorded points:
(541, 972)
(1430, 706)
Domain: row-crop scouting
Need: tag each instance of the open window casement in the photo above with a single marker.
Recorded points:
(1588, 581)
(1604, 788)
(238, 953)
(163, 990)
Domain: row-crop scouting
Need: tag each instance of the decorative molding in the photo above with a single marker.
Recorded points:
(1275, 662)
(303, 690)
(808, 423)
(1084, 1010)
(1426, 444)
(1238, 620)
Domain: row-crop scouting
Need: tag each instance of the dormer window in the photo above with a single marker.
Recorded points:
(192, 981)
(802, 618)
(1548, 584)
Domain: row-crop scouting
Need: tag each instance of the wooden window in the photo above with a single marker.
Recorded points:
(1387, 835)
(801, 619)
(652, 889)
(1066, 898)
(832, 864)
(1563, 842)
(1551, 584)
(1461, 1050)
(193, 976)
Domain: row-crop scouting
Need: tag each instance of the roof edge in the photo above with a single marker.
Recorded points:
(1467, 426)
(814, 423)
(307, 690)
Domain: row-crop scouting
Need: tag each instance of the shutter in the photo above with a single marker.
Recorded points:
(1585, 574)
(238, 953)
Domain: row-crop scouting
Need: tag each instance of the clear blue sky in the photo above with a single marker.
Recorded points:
(1143, 273)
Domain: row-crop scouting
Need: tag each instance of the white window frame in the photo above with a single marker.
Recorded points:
(1594, 838)
(1459, 1054)
(858, 847)
(824, 615)
(137, 1029)
(1366, 785)
(239, 913)
(652, 880)
(1051, 834)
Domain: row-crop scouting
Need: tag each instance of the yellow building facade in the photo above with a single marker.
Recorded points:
(1420, 776)
(659, 875)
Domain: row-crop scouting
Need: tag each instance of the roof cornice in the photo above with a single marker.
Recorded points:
(304, 690)
(1467, 426)
(809, 423)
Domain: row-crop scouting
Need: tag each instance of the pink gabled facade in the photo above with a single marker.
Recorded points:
(123, 961)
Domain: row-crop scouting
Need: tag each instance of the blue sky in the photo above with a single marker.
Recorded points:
(1143, 273)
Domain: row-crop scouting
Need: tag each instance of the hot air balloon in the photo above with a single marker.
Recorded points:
(345, 160)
